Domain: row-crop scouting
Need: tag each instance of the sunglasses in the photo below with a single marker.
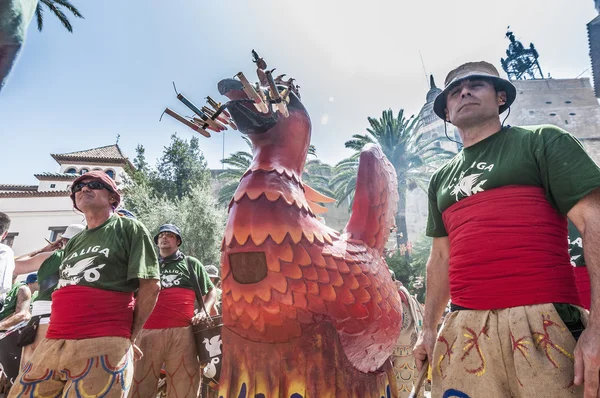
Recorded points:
(91, 185)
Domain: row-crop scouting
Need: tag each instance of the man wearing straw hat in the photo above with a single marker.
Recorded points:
(91, 341)
(167, 337)
(498, 217)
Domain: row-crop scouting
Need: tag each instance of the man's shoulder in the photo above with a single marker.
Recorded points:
(6, 250)
(543, 131)
(130, 225)
(194, 260)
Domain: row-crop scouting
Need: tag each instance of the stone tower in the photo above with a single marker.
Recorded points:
(429, 126)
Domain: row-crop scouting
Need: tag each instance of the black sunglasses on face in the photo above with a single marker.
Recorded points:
(90, 185)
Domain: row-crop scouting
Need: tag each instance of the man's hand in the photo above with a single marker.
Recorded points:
(199, 317)
(424, 347)
(137, 353)
(587, 361)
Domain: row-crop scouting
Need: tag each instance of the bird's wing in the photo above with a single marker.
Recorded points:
(375, 200)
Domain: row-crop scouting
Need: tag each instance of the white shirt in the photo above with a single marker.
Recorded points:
(7, 267)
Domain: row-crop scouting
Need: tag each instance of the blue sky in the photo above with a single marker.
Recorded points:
(113, 75)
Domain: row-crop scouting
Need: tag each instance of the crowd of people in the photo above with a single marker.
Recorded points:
(503, 254)
(111, 314)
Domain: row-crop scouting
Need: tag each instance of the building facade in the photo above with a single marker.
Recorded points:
(44, 211)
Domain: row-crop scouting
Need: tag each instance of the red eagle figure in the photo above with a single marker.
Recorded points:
(307, 312)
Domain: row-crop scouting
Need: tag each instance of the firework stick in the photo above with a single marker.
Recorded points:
(202, 123)
(214, 124)
(252, 94)
(189, 104)
(216, 105)
(210, 113)
(183, 120)
(420, 379)
(275, 95)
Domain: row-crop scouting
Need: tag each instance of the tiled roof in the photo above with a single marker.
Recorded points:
(103, 154)
(15, 187)
(33, 194)
(56, 176)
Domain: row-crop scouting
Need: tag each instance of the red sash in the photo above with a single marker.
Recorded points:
(582, 277)
(508, 248)
(174, 309)
(82, 312)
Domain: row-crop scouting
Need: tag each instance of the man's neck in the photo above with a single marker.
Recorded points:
(96, 218)
(164, 254)
(471, 135)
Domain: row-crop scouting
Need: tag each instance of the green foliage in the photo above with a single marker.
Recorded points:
(409, 271)
(412, 156)
(198, 216)
(55, 7)
(178, 191)
(181, 168)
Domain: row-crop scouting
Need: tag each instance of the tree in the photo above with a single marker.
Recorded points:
(198, 216)
(412, 156)
(54, 6)
(412, 271)
(238, 163)
(178, 191)
(181, 168)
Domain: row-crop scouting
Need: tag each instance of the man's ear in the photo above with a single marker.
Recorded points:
(447, 114)
(501, 95)
(4, 235)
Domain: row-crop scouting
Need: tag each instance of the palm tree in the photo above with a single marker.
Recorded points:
(53, 5)
(316, 174)
(413, 157)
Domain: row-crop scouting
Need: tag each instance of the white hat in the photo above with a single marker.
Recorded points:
(72, 230)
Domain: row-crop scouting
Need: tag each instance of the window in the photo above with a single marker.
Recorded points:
(567, 102)
(572, 114)
(52, 185)
(83, 171)
(531, 112)
(110, 173)
(10, 238)
(548, 102)
(71, 170)
(56, 232)
(553, 114)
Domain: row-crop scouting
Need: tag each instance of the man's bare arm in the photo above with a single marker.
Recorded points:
(438, 294)
(209, 299)
(586, 217)
(29, 264)
(144, 304)
(21, 310)
(438, 285)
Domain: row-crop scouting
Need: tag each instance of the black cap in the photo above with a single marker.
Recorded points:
(168, 228)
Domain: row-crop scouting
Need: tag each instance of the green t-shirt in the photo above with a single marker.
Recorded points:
(541, 156)
(10, 302)
(176, 274)
(575, 246)
(49, 267)
(112, 256)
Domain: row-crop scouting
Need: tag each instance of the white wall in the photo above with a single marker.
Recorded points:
(118, 170)
(59, 185)
(31, 218)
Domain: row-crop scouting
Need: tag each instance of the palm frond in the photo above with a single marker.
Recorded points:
(59, 14)
(39, 15)
(70, 7)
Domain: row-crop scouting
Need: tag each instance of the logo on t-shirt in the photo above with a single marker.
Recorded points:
(170, 280)
(574, 245)
(85, 269)
(469, 184)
